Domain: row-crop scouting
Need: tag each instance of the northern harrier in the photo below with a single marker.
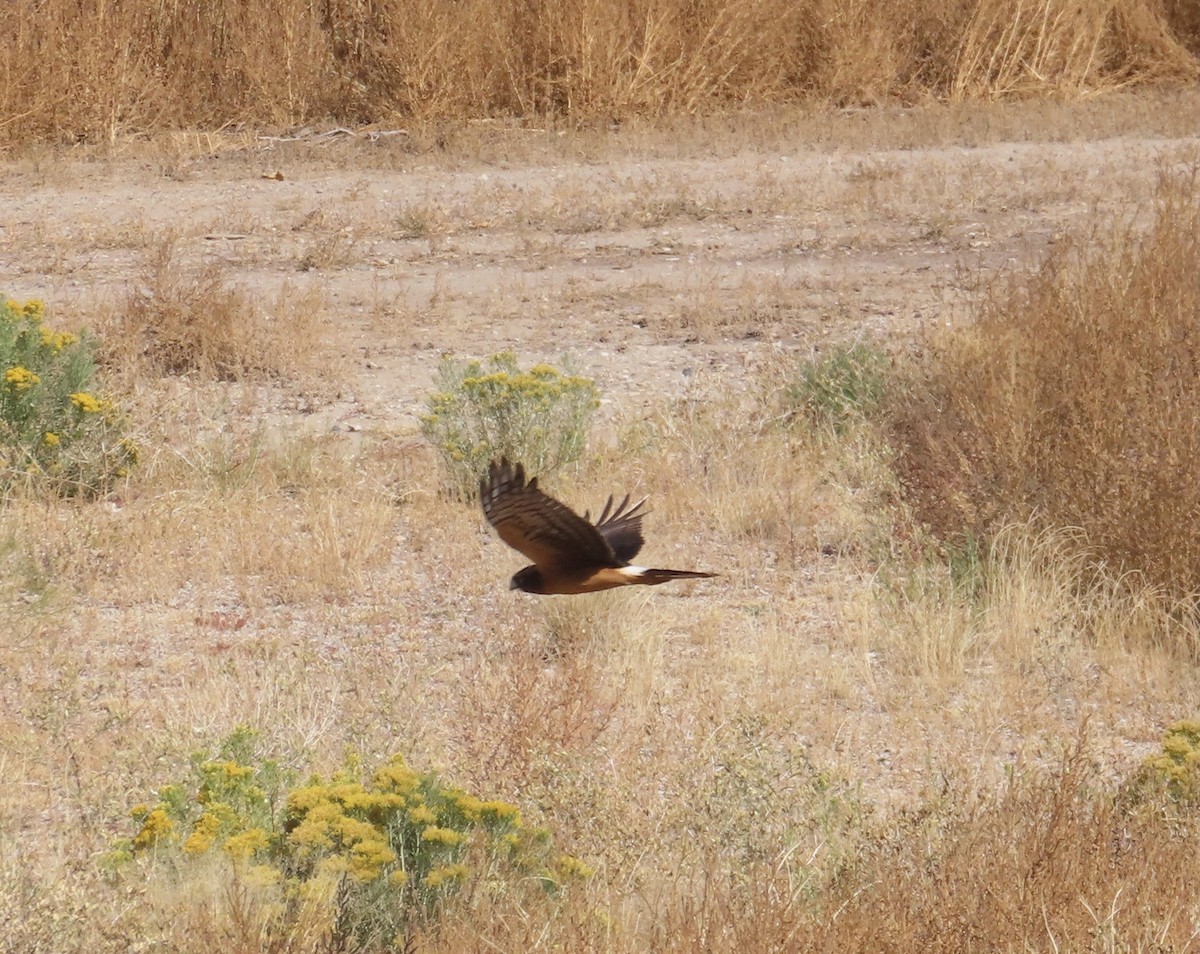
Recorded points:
(570, 554)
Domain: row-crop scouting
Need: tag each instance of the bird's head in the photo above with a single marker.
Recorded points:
(529, 579)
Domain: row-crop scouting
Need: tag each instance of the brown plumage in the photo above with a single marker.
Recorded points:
(570, 554)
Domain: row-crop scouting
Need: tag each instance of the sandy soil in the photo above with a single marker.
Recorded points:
(644, 270)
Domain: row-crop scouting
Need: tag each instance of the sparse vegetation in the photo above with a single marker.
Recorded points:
(181, 318)
(483, 410)
(862, 737)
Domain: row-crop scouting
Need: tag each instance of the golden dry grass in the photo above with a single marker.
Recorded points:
(685, 743)
(96, 71)
(1068, 867)
(176, 318)
(834, 746)
(1018, 417)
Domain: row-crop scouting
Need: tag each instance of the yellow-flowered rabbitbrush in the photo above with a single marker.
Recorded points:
(55, 429)
(377, 854)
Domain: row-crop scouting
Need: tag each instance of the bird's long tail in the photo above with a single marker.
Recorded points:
(652, 577)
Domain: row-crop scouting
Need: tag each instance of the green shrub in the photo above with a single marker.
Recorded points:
(1177, 767)
(485, 409)
(839, 387)
(379, 857)
(54, 429)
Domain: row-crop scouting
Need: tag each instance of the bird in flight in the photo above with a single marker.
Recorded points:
(570, 554)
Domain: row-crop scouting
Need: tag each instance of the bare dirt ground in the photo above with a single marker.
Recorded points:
(646, 261)
(663, 263)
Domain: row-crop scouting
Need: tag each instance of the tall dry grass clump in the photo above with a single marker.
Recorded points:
(1065, 46)
(1074, 399)
(1070, 866)
(94, 70)
(179, 318)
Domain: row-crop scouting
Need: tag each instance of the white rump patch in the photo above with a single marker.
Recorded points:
(633, 571)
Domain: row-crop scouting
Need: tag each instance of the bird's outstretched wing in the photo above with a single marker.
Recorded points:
(621, 527)
(552, 535)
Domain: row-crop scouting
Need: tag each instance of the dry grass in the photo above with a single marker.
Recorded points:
(178, 318)
(834, 745)
(682, 743)
(100, 71)
(1007, 50)
(1015, 419)
(271, 521)
(1031, 599)
(1067, 867)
